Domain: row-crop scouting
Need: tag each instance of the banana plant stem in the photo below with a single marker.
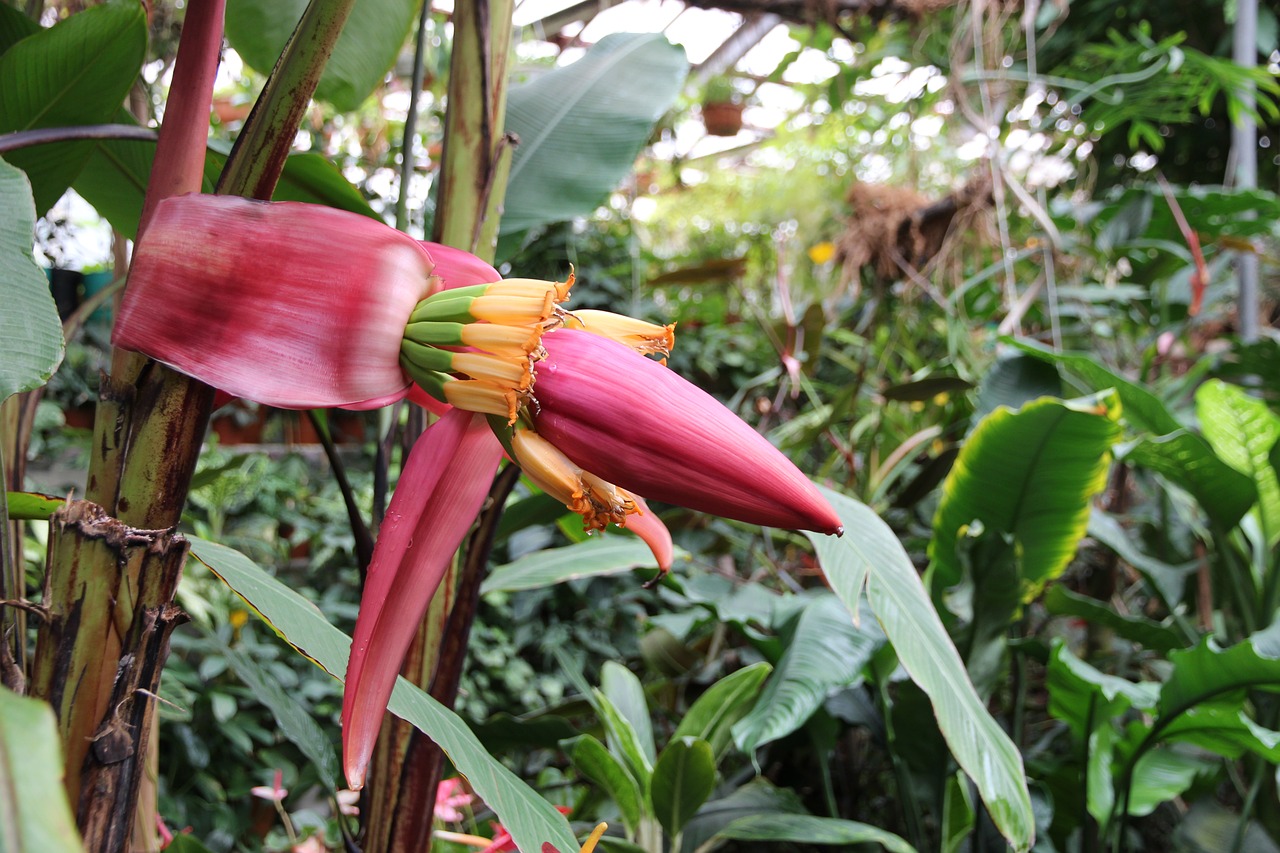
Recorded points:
(411, 120)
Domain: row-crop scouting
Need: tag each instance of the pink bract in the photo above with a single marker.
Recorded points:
(293, 305)
(635, 423)
(442, 487)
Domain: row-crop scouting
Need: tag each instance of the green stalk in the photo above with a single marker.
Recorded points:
(260, 150)
(411, 120)
(469, 194)
(13, 621)
(470, 188)
(1246, 808)
(906, 795)
(109, 611)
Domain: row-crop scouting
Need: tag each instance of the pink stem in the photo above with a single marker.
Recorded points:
(180, 153)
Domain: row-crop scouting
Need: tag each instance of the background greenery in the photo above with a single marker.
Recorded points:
(1082, 468)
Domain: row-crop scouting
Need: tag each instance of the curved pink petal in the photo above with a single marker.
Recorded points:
(653, 533)
(293, 305)
(443, 485)
(641, 426)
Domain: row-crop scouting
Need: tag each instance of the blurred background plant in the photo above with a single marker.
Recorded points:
(973, 265)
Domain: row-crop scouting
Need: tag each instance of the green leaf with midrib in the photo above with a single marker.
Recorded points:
(530, 819)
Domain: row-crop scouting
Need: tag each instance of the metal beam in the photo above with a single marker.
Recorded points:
(735, 47)
(551, 25)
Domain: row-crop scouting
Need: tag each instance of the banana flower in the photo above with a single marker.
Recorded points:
(302, 306)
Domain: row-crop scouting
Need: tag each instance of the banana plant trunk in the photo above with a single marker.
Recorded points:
(406, 765)
(115, 559)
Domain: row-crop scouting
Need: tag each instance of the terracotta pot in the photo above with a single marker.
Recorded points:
(80, 417)
(345, 427)
(722, 119)
(227, 111)
(238, 424)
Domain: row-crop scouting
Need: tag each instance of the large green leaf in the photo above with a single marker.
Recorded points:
(34, 815)
(824, 653)
(1156, 636)
(603, 768)
(1163, 774)
(115, 179)
(1223, 728)
(1029, 474)
(1213, 211)
(530, 819)
(758, 796)
(599, 555)
(30, 333)
(1182, 457)
(626, 693)
(1203, 703)
(1243, 431)
(810, 829)
(76, 72)
(622, 739)
(987, 599)
(1088, 701)
(32, 506)
(581, 126)
(846, 568)
(1016, 379)
(1141, 408)
(1186, 460)
(14, 27)
(958, 814)
(1255, 364)
(712, 716)
(905, 612)
(370, 41)
(1081, 695)
(1208, 673)
(683, 778)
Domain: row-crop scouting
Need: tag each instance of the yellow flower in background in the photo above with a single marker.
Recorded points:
(822, 252)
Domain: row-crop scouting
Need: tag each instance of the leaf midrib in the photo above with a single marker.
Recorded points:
(79, 44)
(554, 119)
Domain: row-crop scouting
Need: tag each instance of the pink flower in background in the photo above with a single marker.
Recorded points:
(275, 792)
(451, 796)
(348, 802)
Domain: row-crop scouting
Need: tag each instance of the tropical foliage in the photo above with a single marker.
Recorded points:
(964, 288)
